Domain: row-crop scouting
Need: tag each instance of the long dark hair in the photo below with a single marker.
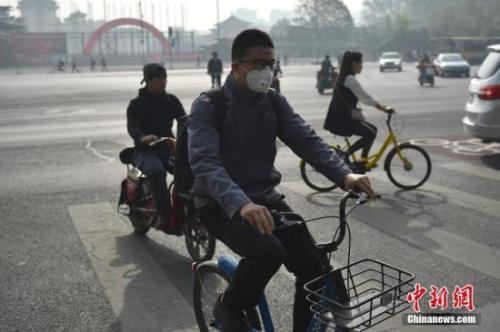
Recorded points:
(346, 65)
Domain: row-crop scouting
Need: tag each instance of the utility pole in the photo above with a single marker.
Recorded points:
(218, 25)
(142, 33)
(105, 11)
(152, 13)
(170, 34)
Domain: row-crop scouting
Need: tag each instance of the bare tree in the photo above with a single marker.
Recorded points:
(441, 18)
(324, 14)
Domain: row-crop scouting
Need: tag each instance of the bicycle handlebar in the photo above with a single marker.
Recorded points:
(287, 219)
(360, 199)
(389, 117)
(171, 143)
(159, 140)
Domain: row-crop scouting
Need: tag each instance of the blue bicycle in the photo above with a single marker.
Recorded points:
(352, 298)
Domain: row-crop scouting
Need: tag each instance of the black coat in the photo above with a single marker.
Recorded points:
(338, 119)
(214, 66)
(151, 114)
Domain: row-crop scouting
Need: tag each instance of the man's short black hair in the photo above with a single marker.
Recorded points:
(248, 39)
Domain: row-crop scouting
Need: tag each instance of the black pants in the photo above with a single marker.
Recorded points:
(263, 256)
(216, 78)
(368, 132)
(154, 164)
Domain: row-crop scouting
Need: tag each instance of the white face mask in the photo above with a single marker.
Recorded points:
(259, 80)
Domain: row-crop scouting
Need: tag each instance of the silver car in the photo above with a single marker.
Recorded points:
(451, 64)
(482, 111)
(390, 60)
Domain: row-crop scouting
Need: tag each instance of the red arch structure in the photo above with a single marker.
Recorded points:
(89, 45)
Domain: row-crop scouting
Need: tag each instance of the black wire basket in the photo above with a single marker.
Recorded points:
(359, 295)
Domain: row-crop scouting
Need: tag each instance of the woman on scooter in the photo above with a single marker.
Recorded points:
(343, 117)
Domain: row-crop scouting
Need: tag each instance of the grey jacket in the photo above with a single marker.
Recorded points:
(236, 165)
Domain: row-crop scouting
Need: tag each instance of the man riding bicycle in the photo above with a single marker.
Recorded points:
(149, 117)
(235, 179)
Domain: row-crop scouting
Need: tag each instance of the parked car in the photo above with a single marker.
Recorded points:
(390, 60)
(482, 111)
(451, 64)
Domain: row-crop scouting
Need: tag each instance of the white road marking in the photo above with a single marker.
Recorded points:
(98, 154)
(62, 126)
(53, 111)
(456, 197)
(141, 295)
(466, 168)
(37, 138)
(83, 111)
(469, 253)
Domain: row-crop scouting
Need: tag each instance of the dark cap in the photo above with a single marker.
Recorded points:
(152, 70)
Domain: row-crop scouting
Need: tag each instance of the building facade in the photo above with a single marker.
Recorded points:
(40, 15)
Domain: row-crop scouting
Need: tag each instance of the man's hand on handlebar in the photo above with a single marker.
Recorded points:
(153, 140)
(259, 217)
(389, 110)
(148, 139)
(361, 183)
(171, 142)
(385, 108)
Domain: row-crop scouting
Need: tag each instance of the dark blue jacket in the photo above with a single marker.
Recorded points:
(236, 166)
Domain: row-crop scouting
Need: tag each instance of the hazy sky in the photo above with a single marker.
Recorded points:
(198, 14)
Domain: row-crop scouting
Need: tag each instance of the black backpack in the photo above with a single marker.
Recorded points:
(183, 175)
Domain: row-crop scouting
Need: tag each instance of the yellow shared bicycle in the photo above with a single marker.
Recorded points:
(408, 166)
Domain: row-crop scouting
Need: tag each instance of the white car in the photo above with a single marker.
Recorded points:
(451, 64)
(482, 111)
(390, 60)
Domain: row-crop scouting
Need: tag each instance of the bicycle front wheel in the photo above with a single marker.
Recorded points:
(209, 284)
(410, 168)
(314, 179)
(199, 243)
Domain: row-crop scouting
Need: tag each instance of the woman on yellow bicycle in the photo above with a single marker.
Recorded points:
(343, 117)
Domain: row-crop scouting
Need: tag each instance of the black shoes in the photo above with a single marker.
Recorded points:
(231, 319)
(161, 224)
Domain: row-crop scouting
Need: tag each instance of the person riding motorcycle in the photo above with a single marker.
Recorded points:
(423, 63)
(150, 116)
(326, 76)
(326, 66)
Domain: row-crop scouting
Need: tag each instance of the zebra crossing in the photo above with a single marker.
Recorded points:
(416, 232)
(137, 279)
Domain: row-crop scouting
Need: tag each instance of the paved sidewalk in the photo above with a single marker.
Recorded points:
(142, 297)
